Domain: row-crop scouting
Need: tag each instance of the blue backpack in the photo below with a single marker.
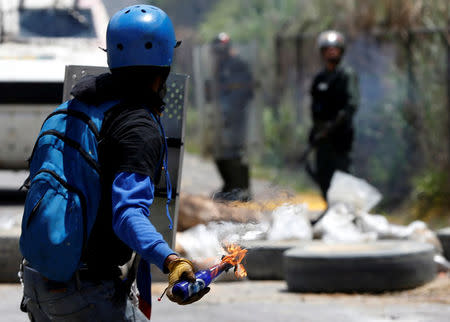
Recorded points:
(64, 189)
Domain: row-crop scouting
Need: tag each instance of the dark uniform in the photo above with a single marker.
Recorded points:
(234, 90)
(335, 98)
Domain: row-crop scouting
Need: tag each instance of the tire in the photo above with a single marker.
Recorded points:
(376, 267)
(444, 238)
(10, 256)
(264, 260)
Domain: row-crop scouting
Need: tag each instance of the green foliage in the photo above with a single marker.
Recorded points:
(284, 136)
(432, 196)
(430, 59)
(248, 20)
(429, 185)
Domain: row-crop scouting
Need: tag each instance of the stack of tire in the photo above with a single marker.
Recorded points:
(316, 266)
(264, 260)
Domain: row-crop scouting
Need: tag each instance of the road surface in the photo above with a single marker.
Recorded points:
(268, 301)
(255, 300)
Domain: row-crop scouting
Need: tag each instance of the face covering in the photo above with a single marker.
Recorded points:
(334, 60)
(162, 93)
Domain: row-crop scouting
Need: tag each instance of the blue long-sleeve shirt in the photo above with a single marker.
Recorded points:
(132, 195)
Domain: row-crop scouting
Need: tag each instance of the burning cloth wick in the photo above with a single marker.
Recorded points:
(234, 258)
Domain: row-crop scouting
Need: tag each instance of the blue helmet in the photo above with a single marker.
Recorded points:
(140, 35)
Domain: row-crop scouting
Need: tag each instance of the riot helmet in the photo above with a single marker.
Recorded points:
(221, 44)
(331, 38)
(140, 35)
(332, 46)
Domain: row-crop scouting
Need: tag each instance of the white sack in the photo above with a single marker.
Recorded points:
(205, 241)
(290, 222)
(417, 230)
(353, 192)
(198, 242)
(338, 225)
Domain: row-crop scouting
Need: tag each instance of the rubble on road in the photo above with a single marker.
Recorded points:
(196, 210)
(347, 219)
(290, 222)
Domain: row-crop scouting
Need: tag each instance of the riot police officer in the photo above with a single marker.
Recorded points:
(335, 98)
(233, 91)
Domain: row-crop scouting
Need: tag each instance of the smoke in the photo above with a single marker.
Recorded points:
(381, 145)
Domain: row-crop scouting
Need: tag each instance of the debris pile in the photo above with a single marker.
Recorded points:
(196, 210)
(207, 226)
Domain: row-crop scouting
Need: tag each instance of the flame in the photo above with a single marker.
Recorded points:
(235, 256)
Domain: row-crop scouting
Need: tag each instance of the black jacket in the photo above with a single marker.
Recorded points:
(334, 93)
(130, 140)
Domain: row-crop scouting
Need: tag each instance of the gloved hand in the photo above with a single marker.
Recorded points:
(181, 269)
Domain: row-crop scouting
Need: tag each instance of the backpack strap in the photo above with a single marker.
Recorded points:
(165, 153)
(80, 115)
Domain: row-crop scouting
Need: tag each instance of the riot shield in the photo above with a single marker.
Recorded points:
(208, 105)
(173, 121)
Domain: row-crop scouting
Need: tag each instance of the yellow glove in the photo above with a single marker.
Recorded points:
(182, 269)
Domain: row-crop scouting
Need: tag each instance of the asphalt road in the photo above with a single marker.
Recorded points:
(254, 300)
(268, 301)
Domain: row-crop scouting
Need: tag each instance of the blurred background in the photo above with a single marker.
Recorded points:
(400, 51)
(398, 48)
